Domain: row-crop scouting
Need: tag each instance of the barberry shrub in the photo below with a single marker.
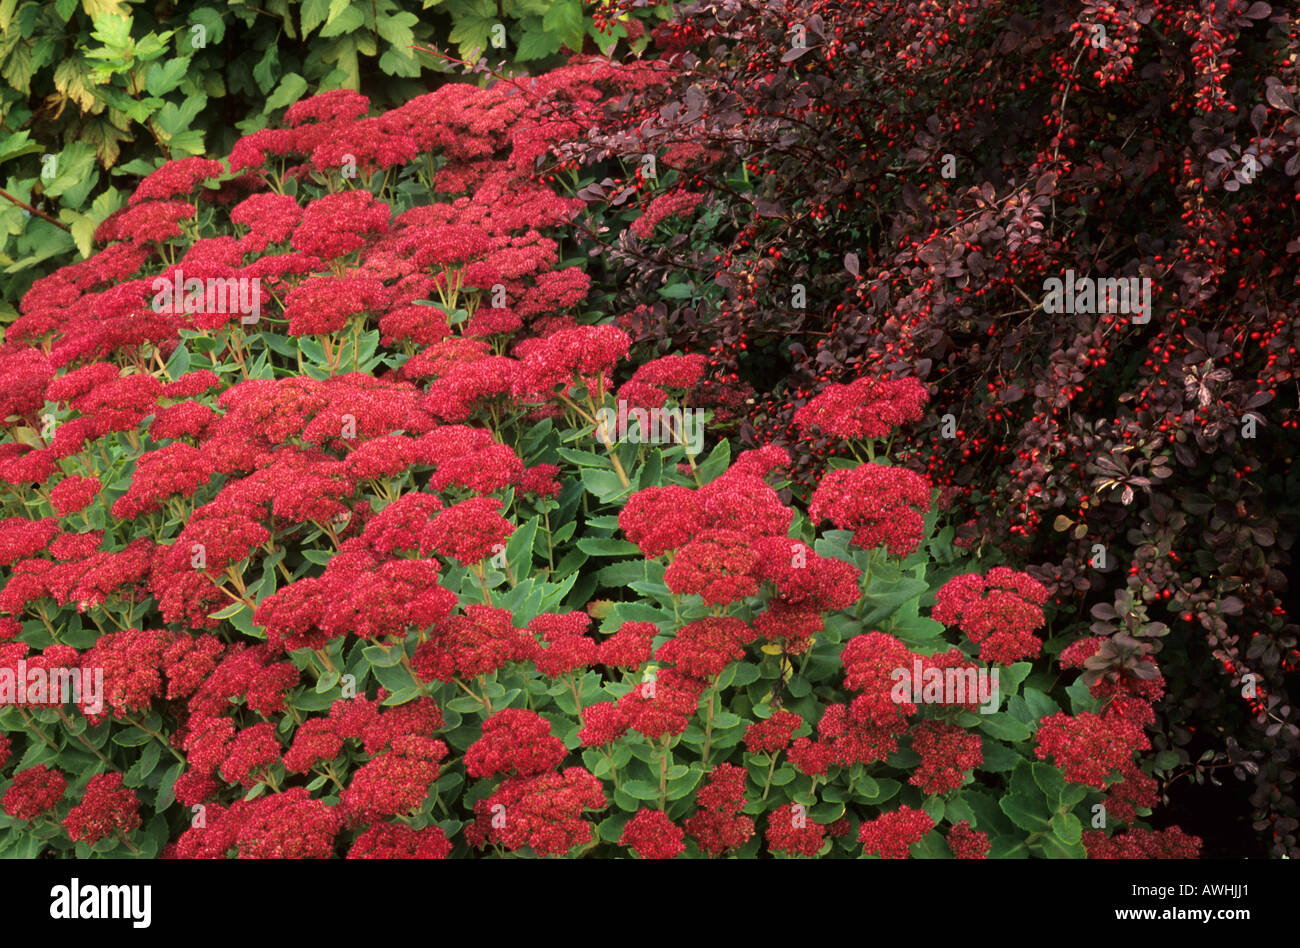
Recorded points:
(826, 190)
(380, 545)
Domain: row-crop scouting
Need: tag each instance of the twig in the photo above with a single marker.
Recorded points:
(27, 207)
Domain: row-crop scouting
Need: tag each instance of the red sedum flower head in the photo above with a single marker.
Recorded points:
(602, 723)
(773, 734)
(651, 835)
(792, 831)
(719, 565)
(515, 742)
(866, 408)
(468, 532)
(1089, 747)
(397, 841)
(882, 505)
(106, 809)
(703, 648)
(947, 753)
(891, 835)
(543, 813)
(586, 354)
(74, 494)
(659, 519)
(34, 791)
(999, 612)
(1170, 843)
(966, 843)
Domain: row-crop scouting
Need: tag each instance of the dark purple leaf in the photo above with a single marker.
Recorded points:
(1231, 606)
(1278, 97)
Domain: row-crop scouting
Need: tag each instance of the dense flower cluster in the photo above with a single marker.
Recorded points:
(865, 408)
(967, 843)
(395, 841)
(106, 808)
(790, 831)
(879, 503)
(718, 825)
(34, 791)
(891, 835)
(773, 734)
(515, 742)
(369, 578)
(651, 835)
(947, 753)
(1171, 843)
(1089, 747)
(544, 813)
(1000, 612)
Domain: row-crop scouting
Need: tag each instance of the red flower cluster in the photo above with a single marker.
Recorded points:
(947, 753)
(718, 824)
(543, 812)
(999, 612)
(717, 564)
(602, 723)
(34, 791)
(1088, 747)
(703, 648)
(651, 835)
(288, 825)
(790, 830)
(1171, 843)
(879, 503)
(891, 835)
(467, 532)
(774, 734)
(865, 408)
(395, 841)
(106, 809)
(585, 355)
(514, 742)
(966, 843)
(659, 519)
(476, 643)
(394, 782)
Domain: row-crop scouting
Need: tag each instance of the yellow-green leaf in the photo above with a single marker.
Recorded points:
(83, 232)
(96, 8)
(74, 78)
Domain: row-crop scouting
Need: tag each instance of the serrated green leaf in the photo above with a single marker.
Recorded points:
(313, 14)
(537, 42)
(163, 77)
(290, 90)
(344, 18)
(565, 19)
(1067, 828)
(396, 28)
(470, 33)
(267, 70)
